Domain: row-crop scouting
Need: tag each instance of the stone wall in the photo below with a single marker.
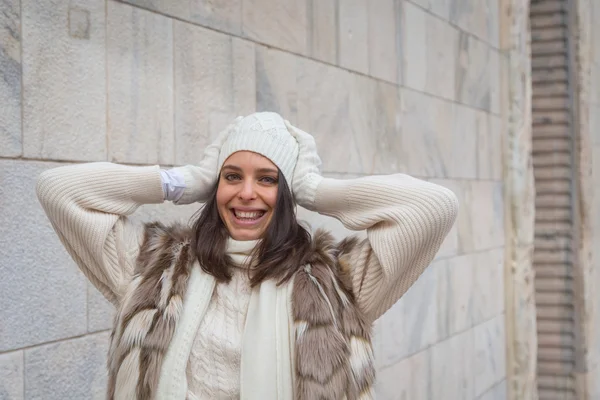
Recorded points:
(385, 86)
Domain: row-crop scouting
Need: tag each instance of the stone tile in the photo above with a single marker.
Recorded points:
(11, 376)
(43, 294)
(427, 129)
(488, 285)
(383, 37)
(489, 146)
(474, 72)
(140, 85)
(10, 82)
(490, 358)
(324, 106)
(495, 89)
(276, 82)
(374, 117)
(341, 107)
(411, 325)
(208, 94)
(282, 24)
(452, 368)
(353, 39)
(429, 51)
(64, 80)
(463, 150)
(500, 392)
(100, 312)
(482, 226)
(440, 8)
(322, 31)
(72, 369)
(224, 15)
(480, 18)
(408, 379)
(455, 295)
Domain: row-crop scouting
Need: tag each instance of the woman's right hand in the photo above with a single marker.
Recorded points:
(200, 179)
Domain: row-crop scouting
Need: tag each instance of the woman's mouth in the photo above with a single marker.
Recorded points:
(247, 217)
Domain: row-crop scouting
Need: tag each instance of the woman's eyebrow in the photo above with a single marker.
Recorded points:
(259, 170)
(233, 167)
(266, 170)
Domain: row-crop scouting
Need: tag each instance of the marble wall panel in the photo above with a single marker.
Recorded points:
(480, 18)
(140, 85)
(10, 79)
(11, 376)
(282, 24)
(490, 354)
(427, 130)
(408, 379)
(64, 80)
(383, 39)
(453, 379)
(455, 295)
(429, 52)
(224, 15)
(43, 294)
(488, 285)
(411, 324)
(481, 218)
(474, 72)
(209, 93)
(322, 32)
(498, 392)
(464, 155)
(353, 35)
(276, 82)
(341, 107)
(74, 369)
(489, 146)
(440, 8)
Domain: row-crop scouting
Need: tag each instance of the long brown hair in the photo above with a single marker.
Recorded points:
(282, 250)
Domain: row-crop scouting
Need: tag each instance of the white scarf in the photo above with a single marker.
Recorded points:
(267, 355)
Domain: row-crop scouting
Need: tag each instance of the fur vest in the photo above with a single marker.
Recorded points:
(334, 358)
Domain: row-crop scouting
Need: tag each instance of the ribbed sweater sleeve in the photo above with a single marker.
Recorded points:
(406, 220)
(88, 205)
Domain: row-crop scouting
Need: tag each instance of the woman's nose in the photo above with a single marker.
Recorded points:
(247, 191)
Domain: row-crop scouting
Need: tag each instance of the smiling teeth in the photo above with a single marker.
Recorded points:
(248, 214)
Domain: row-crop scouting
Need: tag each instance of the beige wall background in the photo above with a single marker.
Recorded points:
(384, 85)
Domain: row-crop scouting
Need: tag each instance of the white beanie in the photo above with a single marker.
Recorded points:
(264, 133)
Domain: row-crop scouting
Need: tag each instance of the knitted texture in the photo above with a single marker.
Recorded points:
(264, 133)
(213, 370)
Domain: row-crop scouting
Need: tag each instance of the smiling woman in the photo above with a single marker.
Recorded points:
(246, 303)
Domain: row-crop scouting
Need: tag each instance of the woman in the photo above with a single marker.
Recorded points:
(245, 304)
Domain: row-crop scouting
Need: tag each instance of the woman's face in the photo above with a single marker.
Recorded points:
(247, 194)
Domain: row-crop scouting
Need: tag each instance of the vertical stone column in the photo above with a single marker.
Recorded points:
(519, 199)
(581, 60)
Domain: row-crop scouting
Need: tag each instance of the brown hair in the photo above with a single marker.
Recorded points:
(282, 250)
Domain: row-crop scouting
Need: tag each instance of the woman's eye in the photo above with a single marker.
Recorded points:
(268, 179)
(232, 177)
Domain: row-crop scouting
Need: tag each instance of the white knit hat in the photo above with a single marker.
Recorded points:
(264, 133)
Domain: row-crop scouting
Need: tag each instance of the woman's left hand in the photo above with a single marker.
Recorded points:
(307, 174)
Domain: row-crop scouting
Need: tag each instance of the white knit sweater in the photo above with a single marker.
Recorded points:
(213, 369)
(406, 220)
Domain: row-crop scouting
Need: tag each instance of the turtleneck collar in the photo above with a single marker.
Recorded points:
(240, 251)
